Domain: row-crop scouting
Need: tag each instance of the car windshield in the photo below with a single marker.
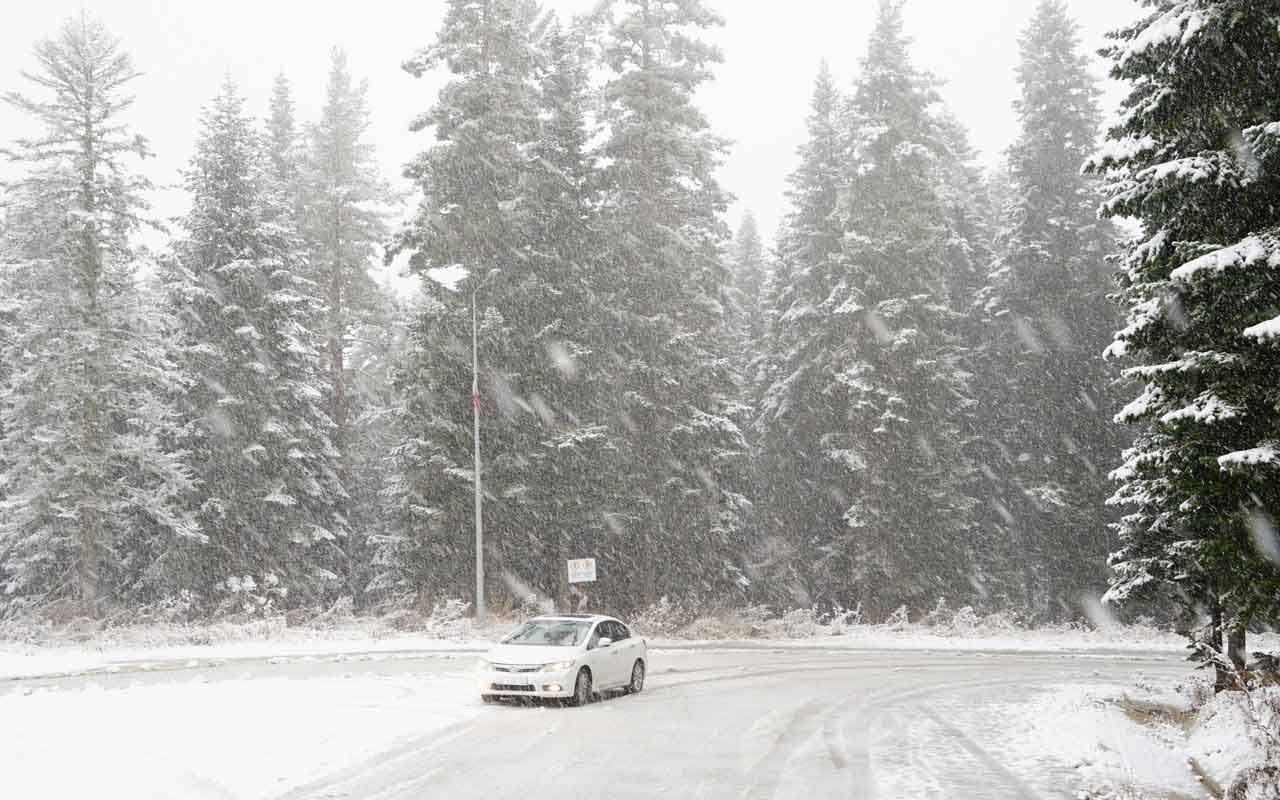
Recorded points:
(550, 632)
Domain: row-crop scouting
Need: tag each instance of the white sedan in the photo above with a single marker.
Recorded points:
(570, 656)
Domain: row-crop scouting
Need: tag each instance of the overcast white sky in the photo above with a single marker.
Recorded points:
(759, 99)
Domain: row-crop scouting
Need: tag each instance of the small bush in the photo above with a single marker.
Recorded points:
(839, 619)
(663, 618)
(449, 619)
(798, 623)
(749, 622)
(899, 619)
(340, 614)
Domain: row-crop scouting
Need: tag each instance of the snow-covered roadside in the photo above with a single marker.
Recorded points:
(1124, 743)
(28, 661)
(1030, 641)
(247, 739)
(18, 660)
(1095, 745)
(1236, 737)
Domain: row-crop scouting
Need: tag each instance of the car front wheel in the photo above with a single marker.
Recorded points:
(637, 678)
(581, 689)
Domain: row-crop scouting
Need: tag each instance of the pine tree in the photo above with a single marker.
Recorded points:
(686, 465)
(271, 497)
(746, 320)
(474, 213)
(93, 489)
(1047, 428)
(1196, 157)
(379, 349)
(282, 140)
(562, 348)
(889, 391)
(282, 179)
(750, 271)
(10, 310)
(793, 409)
(344, 224)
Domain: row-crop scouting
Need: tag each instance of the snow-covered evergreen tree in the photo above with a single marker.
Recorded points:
(681, 510)
(284, 149)
(271, 497)
(561, 357)
(10, 307)
(865, 415)
(1196, 158)
(1046, 427)
(793, 408)
(282, 142)
(750, 272)
(475, 213)
(344, 210)
(93, 492)
(896, 360)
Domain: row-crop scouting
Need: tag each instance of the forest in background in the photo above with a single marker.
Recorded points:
(897, 398)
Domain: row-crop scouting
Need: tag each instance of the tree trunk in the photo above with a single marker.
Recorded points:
(558, 587)
(1223, 678)
(1236, 646)
(86, 566)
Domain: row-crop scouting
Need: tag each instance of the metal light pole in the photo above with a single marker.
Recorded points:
(481, 610)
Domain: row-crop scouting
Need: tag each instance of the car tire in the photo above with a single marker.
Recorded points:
(637, 678)
(581, 689)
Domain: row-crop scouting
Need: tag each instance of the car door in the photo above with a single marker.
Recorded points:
(628, 651)
(598, 658)
(608, 658)
(623, 655)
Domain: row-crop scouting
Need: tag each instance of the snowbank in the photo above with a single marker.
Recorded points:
(1125, 742)
(1236, 741)
(167, 645)
(1105, 752)
(27, 661)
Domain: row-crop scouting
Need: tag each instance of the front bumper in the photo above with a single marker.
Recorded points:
(526, 684)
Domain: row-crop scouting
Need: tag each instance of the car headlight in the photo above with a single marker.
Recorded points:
(558, 666)
(483, 663)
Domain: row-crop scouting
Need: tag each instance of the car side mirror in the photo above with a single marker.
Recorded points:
(605, 641)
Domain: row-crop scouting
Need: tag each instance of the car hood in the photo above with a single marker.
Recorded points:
(530, 654)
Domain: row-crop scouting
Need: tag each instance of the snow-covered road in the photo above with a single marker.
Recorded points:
(712, 723)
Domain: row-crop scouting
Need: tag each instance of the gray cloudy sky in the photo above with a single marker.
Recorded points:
(759, 99)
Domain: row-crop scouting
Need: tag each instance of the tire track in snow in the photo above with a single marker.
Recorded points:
(816, 744)
(343, 783)
(993, 765)
(765, 774)
(852, 754)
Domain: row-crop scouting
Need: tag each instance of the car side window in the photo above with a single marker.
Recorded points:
(594, 641)
(607, 628)
(610, 630)
(621, 631)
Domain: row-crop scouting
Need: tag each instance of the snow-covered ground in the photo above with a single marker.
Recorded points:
(773, 718)
(26, 661)
(1091, 734)
(214, 739)
(158, 648)
(1146, 740)
(266, 708)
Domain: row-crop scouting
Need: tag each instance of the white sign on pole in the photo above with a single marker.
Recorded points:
(582, 570)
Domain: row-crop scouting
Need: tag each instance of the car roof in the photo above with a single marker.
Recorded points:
(587, 617)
